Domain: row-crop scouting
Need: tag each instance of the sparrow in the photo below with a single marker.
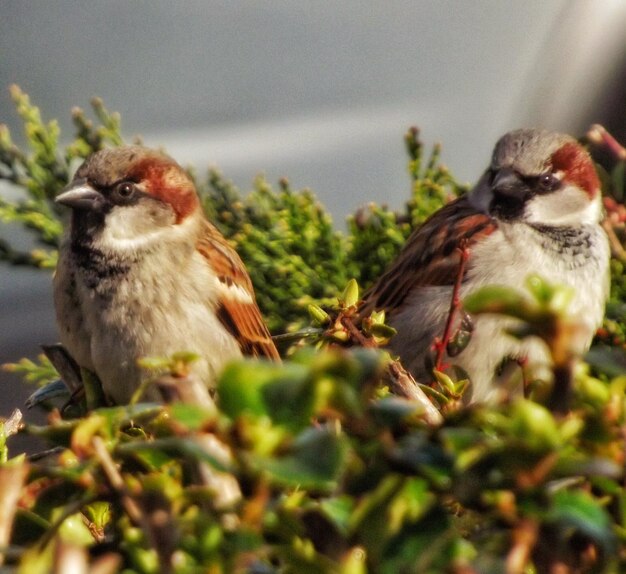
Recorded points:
(536, 209)
(142, 272)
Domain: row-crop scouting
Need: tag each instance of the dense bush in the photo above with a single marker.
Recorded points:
(315, 465)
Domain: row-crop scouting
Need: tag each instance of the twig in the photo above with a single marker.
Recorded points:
(455, 303)
(116, 481)
(45, 453)
(401, 381)
(404, 385)
(12, 477)
(524, 539)
(600, 136)
(13, 424)
(616, 246)
(70, 557)
(109, 563)
(289, 338)
(356, 334)
(561, 394)
(224, 486)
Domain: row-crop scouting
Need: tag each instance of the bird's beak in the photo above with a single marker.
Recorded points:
(508, 183)
(80, 195)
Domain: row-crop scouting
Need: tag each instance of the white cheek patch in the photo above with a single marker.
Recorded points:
(130, 228)
(566, 206)
(124, 223)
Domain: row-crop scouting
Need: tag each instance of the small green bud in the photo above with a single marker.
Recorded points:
(318, 315)
(445, 381)
(350, 295)
(377, 317)
(340, 335)
(382, 330)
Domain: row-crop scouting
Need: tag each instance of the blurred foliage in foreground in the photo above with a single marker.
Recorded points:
(313, 466)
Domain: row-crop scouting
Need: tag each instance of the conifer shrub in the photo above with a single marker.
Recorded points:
(319, 464)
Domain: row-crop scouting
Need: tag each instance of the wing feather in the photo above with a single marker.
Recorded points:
(237, 308)
(430, 256)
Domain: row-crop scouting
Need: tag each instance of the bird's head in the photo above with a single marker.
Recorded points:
(129, 195)
(541, 178)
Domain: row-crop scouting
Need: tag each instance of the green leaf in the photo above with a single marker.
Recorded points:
(153, 457)
(392, 411)
(243, 386)
(74, 530)
(338, 509)
(382, 330)
(429, 546)
(579, 510)
(369, 519)
(314, 460)
(166, 449)
(501, 300)
(540, 289)
(416, 454)
(193, 417)
(99, 513)
(534, 424)
(609, 360)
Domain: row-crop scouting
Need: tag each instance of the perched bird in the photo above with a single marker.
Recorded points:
(141, 272)
(536, 209)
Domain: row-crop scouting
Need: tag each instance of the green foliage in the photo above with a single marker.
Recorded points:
(346, 482)
(38, 174)
(377, 234)
(39, 373)
(313, 466)
(294, 254)
(287, 241)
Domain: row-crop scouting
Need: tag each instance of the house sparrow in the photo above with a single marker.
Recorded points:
(141, 272)
(536, 209)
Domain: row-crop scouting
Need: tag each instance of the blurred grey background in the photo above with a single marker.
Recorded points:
(321, 92)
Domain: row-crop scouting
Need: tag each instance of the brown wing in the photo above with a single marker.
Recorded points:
(430, 255)
(237, 309)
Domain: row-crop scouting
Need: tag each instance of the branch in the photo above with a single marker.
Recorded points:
(404, 385)
(598, 135)
(12, 477)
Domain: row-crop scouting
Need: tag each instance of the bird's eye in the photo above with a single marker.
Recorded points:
(125, 190)
(549, 182)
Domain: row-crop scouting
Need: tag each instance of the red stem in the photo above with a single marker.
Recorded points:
(455, 303)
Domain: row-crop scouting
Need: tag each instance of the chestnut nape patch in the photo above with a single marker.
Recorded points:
(577, 166)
